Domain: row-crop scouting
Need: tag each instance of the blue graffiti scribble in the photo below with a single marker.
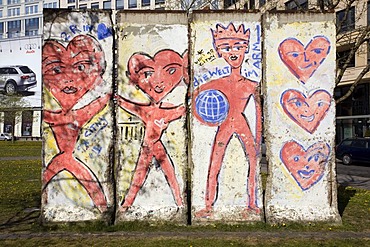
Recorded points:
(104, 31)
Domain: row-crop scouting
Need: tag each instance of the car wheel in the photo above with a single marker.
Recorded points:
(10, 88)
(346, 159)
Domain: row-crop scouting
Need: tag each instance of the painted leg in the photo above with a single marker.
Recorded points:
(140, 174)
(250, 149)
(168, 170)
(218, 151)
(55, 166)
(89, 181)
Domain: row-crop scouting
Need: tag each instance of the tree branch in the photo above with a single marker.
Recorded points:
(355, 83)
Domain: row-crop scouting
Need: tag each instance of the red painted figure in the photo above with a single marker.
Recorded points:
(69, 73)
(156, 77)
(231, 44)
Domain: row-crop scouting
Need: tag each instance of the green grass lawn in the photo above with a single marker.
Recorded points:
(20, 148)
(20, 192)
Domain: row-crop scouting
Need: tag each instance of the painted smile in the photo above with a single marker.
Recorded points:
(308, 118)
(69, 90)
(158, 89)
(233, 57)
(306, 174)
(306, 67)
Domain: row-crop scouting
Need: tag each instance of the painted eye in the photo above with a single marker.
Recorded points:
(81, 67)
(225, 49)
(148, 74)
(237, 48)
(296, 158)
(317, 50)
(298, 103)
(316, 157)
(294, 54)
(320, 104)
(171, 71)
(57, 70)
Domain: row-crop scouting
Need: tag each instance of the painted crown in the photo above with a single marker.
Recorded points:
(230, 31)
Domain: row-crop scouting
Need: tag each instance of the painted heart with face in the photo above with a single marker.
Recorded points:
(304, 61)
(157, 76)
(307, 166)
(70, 72)
(307, 112)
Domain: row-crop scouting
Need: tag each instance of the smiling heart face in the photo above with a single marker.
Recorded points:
(159, 75)
(306, 166)
(69, 72)
(306, 112)
(303, 61)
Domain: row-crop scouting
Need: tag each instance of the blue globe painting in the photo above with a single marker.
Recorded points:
(212, 106)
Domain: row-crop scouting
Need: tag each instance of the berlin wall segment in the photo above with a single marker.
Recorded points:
(299, 81)
(151, 116)
(159, 110)
(77, 65)
(226, 117)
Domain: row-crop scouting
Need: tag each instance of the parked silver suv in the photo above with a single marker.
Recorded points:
(16, 78)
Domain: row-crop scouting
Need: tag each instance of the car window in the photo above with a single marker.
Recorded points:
(359, 143)
(346, 143)
(25, 69)
(3, 71)
(12, 71)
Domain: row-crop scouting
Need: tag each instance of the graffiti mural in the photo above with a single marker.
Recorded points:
(76, 119)
(151, 95)
(307, 166)
(156, 77)
(299, 86)
(307, 112)
(221, 103)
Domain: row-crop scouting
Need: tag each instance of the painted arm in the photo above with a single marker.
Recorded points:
(133, 108)
(51, 117)
(90, 110)
(175, 112)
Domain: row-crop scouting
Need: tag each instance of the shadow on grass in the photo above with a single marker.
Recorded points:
(27, 215)
(344, 196)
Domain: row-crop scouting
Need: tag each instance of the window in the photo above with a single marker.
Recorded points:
(14, 27)
(31, 26)
(27, 118)
(132, 3)
(9, 120)
(291, 5)
(14, 11)
(346, 20)
(119, 4)
(1, 29)
(145, 2)
(50, 5)
(1, 13)
(71, 7)
(159, 1)
(107, 5)
(262, 2)
(71, 1)
(368, 13)
(252, 4)
(13, 2)
(94, 5)
(342, 57)
(228, 3)
(32, 9)
(83, 6)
